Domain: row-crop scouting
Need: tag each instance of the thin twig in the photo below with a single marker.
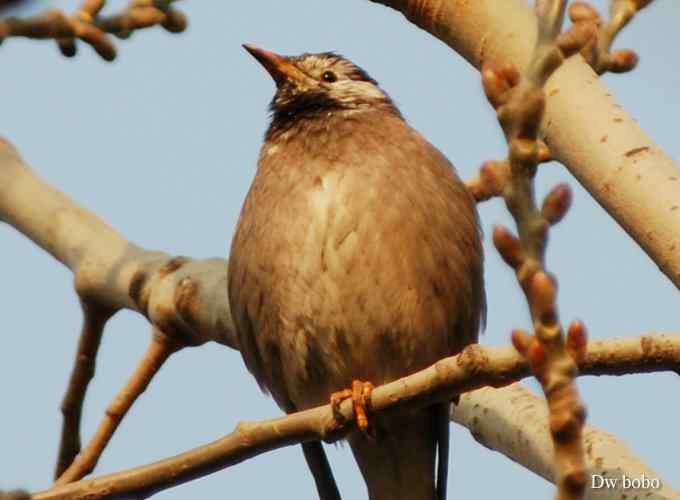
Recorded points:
(494, 175)
(183, 298)
(94, 320)
(519, 101)
(476, 366)
(158, 352)
(598, 50)
(87, 25)
(491, 180)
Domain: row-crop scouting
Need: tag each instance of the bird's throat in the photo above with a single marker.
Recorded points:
(316, 109)
(288, 112)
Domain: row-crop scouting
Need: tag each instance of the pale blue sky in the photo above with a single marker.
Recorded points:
(163, 143)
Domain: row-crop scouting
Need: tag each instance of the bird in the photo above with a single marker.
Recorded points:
(357, 259)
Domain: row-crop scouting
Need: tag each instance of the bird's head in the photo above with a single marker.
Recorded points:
(311, 85)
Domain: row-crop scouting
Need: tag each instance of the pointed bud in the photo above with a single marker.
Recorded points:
(521, 340)
(583, 11)
(508, 246)
(622, 60)
(542, 294)
(557, 203)
(577, 340)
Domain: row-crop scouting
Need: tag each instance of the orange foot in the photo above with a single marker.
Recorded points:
(361, 401)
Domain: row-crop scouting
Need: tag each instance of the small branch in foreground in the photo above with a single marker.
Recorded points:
(475, 367)
(519, 101)
(490, 182)
(87, 25)
(493, 176)
(592, 145)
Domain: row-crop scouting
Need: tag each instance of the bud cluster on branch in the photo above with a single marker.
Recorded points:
(88, 25)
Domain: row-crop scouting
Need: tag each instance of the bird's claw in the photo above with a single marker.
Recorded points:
(361, 402)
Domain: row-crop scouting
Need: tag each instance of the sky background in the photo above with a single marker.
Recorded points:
(163, 143)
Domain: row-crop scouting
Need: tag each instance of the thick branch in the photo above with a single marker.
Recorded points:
(491, 415)
(475, 367)
(622, 167)
(183, 298)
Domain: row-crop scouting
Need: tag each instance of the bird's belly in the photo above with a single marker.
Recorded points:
(362, 289)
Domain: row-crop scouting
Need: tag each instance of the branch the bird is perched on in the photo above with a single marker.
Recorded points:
(475, 366)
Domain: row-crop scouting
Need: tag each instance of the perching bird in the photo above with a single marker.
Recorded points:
(357, 256)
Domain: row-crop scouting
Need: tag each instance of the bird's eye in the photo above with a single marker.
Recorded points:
(329, 76)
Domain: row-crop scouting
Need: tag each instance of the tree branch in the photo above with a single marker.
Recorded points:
(87, 25)
(156, 355)
(598, 52)
(94, 320)
(189, 297)
(475, 367)
(184, 299)
(491, 415)
(493, 176)
(622, 167)
(519, 101)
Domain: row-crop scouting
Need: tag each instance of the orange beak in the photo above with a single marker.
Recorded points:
(277, 66)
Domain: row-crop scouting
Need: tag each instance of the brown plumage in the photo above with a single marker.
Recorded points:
(357, 256)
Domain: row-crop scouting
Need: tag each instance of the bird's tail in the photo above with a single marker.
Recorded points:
(399, 463)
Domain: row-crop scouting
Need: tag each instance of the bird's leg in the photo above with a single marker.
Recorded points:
(361, 401)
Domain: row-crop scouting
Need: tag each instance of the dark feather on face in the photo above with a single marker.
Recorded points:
(305, 105)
